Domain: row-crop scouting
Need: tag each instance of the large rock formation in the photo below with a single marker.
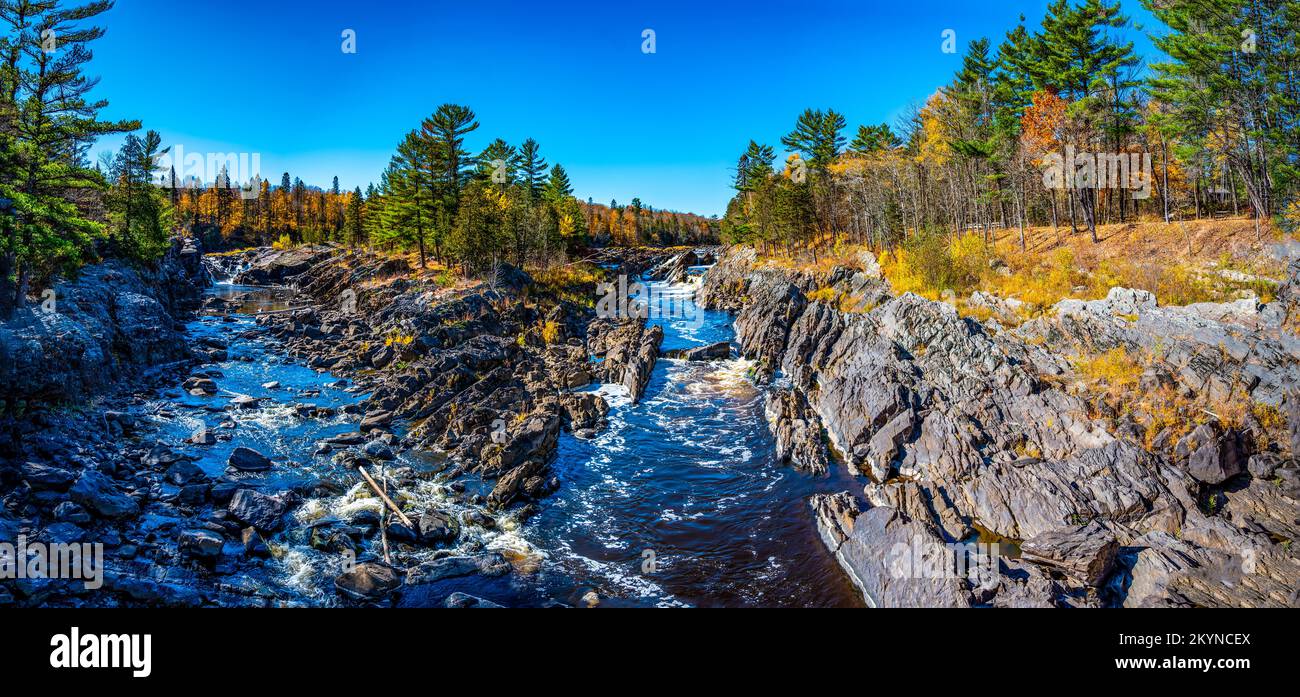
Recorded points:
(88, 331)
(960, 427)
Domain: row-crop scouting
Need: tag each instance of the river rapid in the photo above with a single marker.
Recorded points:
(679, 502)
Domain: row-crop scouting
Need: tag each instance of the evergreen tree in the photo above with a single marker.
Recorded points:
(874, 138)
(498, 154)
(558, 186)
(47, 122)
(818, 136)
(138, 210)
(532, 167)
(354, 223)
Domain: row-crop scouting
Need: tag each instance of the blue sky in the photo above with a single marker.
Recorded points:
(271, 78)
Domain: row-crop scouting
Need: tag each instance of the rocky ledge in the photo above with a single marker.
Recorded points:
(965, 431)
(90, 331)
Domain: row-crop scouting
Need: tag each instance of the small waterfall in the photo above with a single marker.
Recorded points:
(225, 269)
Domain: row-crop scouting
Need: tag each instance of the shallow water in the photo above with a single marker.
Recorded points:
(687, 475)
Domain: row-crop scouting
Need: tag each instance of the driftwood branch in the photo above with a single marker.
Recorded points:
(382, 495)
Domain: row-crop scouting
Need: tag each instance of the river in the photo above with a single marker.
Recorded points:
(679, 502)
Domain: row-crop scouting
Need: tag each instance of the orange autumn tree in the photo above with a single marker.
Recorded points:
(1042, 128)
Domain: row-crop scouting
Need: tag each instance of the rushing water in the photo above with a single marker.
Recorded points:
(687, 475)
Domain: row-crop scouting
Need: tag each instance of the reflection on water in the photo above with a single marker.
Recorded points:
(252, 300)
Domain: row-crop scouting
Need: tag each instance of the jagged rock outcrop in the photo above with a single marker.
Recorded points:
(630, 349)
(1222, 351)
(87, 332)
(798, 432)
(893, 560)
(277, 267)
(1085, 554)
(677, 268)
(959, 429)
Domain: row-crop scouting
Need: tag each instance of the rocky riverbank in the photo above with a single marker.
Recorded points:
(92, 331)
(454, 398)
(478, 378)
(964, 431)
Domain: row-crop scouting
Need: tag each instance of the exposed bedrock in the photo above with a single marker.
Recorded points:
(85, 333)
(960, 427)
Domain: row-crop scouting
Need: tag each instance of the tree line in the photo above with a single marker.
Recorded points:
(467, 209)
(637, 224)
(1063, 125)
(59, 210)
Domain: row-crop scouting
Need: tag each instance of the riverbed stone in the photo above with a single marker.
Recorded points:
(200, 544)
(486, 564)
(249, 460)
(101, 496)
(368, 582)
(257, 509)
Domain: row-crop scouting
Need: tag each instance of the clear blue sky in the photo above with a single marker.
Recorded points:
(270, 77)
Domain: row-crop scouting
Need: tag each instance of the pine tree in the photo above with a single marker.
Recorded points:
(498, 161)
(46, 124)
(138, 210)
(532, 167)
(818, 136)
(354, 223)
(558, 186)
(874, 139)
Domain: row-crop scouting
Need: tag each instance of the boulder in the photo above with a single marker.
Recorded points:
(486, 564)
(437, 527)
(1215, 457)
(44, 477)
(257, 509)
(245, 402)
(100, 495)
(249, 460)
(465, 600)
(200, 544)
(368, 582)
(718, 351)
(1085, 555)
(184, 472)
(375, 420)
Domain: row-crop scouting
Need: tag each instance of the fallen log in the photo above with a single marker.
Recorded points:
(382, 495)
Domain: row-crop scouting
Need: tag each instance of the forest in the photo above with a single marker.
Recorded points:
(60, 208)
(1062, 126)
(1208, 129)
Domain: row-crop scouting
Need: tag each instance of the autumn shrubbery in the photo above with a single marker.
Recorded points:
(1115, 370)
(931, 263)
(575, 283)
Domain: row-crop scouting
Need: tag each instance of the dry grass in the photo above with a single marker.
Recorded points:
(1114, 372)
(575, 283)
(1181, 263)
